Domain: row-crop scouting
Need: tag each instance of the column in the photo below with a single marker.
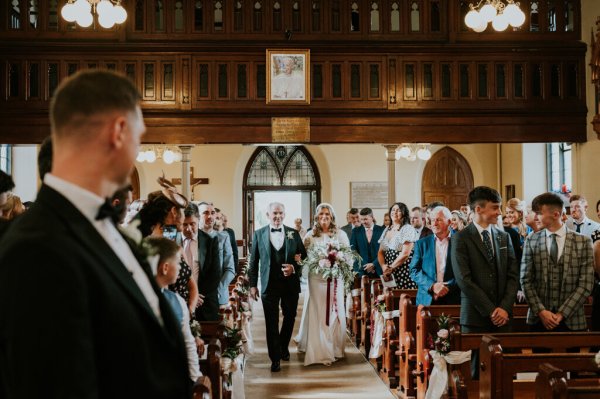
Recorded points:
(390, 152)
(185, 170)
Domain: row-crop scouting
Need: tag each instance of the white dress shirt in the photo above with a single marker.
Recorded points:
(489, 230)
(441, 254)
(88, 204)
(561, 237)
(276, 237)
(190, 247)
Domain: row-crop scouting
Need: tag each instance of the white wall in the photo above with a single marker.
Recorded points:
(535, 178)
(24, 171)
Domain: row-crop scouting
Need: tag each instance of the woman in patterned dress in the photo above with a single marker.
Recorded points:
(596, 290)
(396, 245)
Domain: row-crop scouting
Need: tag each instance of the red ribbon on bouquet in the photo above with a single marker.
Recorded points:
(329, 299)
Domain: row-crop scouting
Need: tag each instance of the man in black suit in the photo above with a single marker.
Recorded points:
(276, 252)
(417, 220)
(102, 328)
(485, 268)
(365, 241)
(353, 219)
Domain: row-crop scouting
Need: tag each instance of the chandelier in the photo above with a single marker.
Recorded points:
(151, 154)
(496, 12)
(109, 12)
(411, 152)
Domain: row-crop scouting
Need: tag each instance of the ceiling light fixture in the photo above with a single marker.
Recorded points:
(110, 12)
(496, 12)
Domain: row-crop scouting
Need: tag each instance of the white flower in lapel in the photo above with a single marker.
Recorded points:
(290, 235)
(141, 249)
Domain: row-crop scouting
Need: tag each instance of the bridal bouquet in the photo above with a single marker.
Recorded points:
(332, 260)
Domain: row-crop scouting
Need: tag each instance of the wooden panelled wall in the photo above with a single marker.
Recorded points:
(381, 71)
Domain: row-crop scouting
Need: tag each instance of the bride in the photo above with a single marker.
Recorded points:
(323, 338)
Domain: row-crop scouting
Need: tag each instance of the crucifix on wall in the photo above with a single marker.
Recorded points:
(194, 181)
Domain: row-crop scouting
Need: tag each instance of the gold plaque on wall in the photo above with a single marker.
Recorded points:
(290, 130)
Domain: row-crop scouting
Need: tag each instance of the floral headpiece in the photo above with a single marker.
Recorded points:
(169, 191)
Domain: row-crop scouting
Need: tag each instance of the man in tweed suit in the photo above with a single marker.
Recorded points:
(557, 271)
(485, 269)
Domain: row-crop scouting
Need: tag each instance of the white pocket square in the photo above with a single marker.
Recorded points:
(503, 247)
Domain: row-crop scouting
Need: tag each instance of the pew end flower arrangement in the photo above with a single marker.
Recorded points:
(442, 355)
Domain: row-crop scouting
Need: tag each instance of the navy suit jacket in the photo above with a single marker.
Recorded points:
(423, 271)
(359, 243)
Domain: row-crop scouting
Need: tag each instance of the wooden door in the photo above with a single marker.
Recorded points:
(447, 178)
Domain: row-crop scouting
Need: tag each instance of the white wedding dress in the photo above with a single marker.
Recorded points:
(323, 343)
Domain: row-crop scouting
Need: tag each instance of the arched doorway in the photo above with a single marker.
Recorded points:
(447, 178)
(287, 174)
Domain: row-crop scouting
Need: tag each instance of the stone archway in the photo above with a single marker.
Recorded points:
(447, 178)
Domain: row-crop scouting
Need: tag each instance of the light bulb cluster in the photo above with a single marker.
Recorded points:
(411, 152)
(150, 155)
(496, 12)
(110, 12)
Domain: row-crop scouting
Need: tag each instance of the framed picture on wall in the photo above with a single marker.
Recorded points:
(288, 77)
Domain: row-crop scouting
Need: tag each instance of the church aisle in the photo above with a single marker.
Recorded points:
(351, 377)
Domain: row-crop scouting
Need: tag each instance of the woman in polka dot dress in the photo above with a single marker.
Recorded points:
(396, 247)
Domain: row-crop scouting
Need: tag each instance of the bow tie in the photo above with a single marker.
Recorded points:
(107, 210)
(275, 230)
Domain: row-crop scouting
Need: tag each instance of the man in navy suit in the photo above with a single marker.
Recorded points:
(365, 240)
(431, 266)
(104, 329)
(275, 260)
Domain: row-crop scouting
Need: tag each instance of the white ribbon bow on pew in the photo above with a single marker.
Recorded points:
(438, 380)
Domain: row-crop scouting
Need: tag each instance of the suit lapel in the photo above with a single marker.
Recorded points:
(89, 237)
(266, 233)
(567, 253)
(202, 248)
(448, 272)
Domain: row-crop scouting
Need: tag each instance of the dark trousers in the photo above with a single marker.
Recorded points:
(279, 340)
(475, 352)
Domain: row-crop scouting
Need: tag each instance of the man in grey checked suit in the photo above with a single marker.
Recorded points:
(485, 269)
(557, 271)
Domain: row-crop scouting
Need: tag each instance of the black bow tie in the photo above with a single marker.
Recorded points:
(107, 210)
(275, 230)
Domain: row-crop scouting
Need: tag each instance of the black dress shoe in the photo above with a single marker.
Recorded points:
(285, 356)
(275, 366)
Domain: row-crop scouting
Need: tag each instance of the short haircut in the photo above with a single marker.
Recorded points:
(353, 211)
(416, 208)
(446, 211)
(434, 204)
(191, 211)
(577, 197)
(366, 212)
(45, 157)
(482, 194)
(164, 247)
(6, 182)
(275, 204)
(89, 93)
(549, 199)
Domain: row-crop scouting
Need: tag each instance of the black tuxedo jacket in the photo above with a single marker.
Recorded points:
(261, 257)
(73, 322)
(209, 276)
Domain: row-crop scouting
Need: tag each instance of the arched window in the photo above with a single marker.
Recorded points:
(279, 171)
(5, 158)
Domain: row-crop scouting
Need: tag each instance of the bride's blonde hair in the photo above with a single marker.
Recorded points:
(316, 226)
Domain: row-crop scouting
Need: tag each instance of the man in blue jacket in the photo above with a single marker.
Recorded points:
(431, 266)
(365, 241)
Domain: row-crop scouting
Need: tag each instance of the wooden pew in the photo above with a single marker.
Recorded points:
(407, 355)
(365, 314)
(375, 289)
(213, 334)
(552, 383)
(497, 369)
(354, 323)
(389, 371)
(426, 325)
(202, 388)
